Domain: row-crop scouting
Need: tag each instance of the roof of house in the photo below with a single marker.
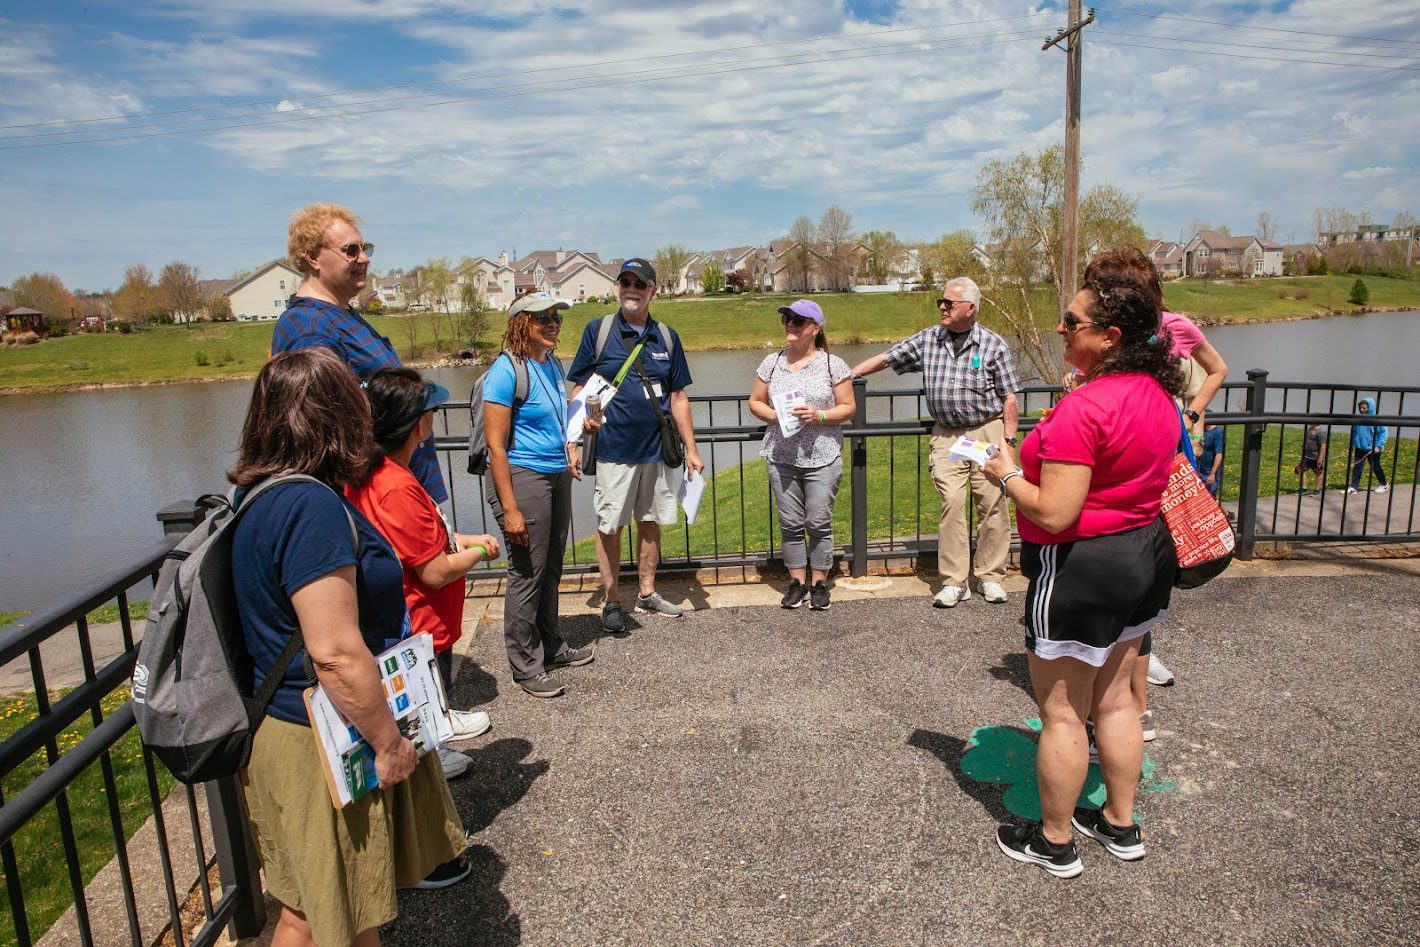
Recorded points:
(208, 288)
(1218, 240)
(24, 311)
(262, 271)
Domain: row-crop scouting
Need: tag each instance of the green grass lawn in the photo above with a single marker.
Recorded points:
(137, 611)
(231, 350)
(43, 870)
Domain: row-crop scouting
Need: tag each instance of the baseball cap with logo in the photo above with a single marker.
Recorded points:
(640, 269)
(537, 302)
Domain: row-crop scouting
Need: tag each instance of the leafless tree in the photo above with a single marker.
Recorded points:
(800, 257)
(181, 296)
(835, 236)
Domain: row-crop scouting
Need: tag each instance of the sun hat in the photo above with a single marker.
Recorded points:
(536, 302)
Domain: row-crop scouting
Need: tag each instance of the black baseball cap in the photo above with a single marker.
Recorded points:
(640, 269)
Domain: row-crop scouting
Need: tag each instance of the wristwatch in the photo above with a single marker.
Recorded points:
(1011, 440)
(1191, 415)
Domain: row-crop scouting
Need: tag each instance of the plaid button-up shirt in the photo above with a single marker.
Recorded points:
(964, 389)
(315, 322)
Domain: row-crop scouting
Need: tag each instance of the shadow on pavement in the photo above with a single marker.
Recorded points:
(483, 914)
(1014, 668)
(950, 750)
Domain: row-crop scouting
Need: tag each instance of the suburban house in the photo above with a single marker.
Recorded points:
(1299, 255)
(388, 290)
(1210, 252)
(794, 267)
(259, 296)
(1371, 233)
(904, 270)
(1167, 257)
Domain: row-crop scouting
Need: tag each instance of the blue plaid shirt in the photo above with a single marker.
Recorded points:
(964, 389)
(315, 322)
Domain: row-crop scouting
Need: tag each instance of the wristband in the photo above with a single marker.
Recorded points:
(1008, 476)
(482, 553)
(823, 417)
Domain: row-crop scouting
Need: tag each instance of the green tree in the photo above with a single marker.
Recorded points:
(948, 257)
(669, 261)
(138, 298)
(712, 279)
(884, 261)
(472, 315)
(1360, 295)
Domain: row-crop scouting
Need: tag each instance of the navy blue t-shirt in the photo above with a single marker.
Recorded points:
(294, 534)
(632, 433)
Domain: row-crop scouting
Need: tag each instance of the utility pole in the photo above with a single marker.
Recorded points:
(1072, 37)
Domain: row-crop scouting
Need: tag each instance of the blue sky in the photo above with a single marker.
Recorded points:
(718, 148)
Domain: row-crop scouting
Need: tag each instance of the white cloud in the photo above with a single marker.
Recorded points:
(1371, 173)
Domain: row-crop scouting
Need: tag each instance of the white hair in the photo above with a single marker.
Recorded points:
(969, 290)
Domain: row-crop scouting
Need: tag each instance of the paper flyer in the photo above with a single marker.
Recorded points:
(596, 387)
(417, 701)
(784, 404)
(978, 452)
(692, 488)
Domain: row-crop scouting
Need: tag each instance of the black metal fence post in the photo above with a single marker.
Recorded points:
(1250, 475)
(859, 460)
(237, 861)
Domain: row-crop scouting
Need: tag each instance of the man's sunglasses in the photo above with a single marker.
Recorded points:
(352, 251)
(1075, 325)
(626, 282)
(796, 321)
(949, 303)
(550, 317)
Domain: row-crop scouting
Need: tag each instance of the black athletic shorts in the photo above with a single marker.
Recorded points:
(1088, 595)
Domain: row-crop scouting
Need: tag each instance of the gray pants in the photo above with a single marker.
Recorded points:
(534, 570)
(805, 499)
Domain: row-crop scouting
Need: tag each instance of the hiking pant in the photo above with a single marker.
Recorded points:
(805, 497)
(534, 571)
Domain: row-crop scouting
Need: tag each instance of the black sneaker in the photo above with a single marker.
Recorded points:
(571, 658)
(818, 598)
(449, 873)
(793, 598)
(1126, 842)
(542, 686)
(613, 622)
(1027, 843)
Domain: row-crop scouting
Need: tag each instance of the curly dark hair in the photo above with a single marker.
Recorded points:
(517, 338)
(1144, 348)
(307, 415)
(1128, 261)
(396, 396)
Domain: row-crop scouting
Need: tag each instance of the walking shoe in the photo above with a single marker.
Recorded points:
(542, 686)
(949, 596)
(571, 658)
(1351, 490)
(1314, 493)
(1158, 673)
(1126, 842)
(613, 622)
(1381, 489)
(795, 596)
(468, 724)
(1146, 723)
(455, 764)
(653, 604)
(1027, 843)
(992, 592)
(450, 872)
(818, 598)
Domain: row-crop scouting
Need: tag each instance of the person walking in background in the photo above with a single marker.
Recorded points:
(806, 466)
(296, 569)
(1210, 458)
(971, 383)
(1100, 561)
(325, 244)
(434, 557)
(633, 481)
(1313, 460)
(529, 489)
(1367, 443)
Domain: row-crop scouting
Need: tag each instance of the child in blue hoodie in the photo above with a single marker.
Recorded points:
(1367, 442)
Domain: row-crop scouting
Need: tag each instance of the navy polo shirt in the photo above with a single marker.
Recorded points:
(631, 433)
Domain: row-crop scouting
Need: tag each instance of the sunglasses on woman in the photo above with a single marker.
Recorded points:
(352, 251)
(550, 317)
(796, 321)
(1075, 325)
(626, 282)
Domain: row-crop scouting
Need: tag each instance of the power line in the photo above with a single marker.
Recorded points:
(627, 79)
(1270, 29)
(1206, 52)
(527, 72)
(1175, 38)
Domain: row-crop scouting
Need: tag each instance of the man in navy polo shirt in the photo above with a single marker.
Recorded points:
(324, 243)
(632, 482)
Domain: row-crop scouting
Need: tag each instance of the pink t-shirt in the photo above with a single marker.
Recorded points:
(1124, 427)
(1186, 336)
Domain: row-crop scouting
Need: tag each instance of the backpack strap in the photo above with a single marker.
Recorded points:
(603, 334)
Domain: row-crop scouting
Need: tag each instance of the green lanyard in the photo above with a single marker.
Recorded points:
(626, 365)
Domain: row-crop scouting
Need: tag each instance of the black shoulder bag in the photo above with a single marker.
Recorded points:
(672, 447)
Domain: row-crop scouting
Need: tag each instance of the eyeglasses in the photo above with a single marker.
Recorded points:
(550, 317)
(626, 282)
(1075, 325)
(352, 251)
(949, 303)
(796, 321)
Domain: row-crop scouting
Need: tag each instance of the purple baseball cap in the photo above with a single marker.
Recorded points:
(804, 307)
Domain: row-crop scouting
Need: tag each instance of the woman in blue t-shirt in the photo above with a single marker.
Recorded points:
(296, 569)
(529, 489)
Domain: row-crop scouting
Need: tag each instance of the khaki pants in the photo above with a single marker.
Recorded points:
(993, 531)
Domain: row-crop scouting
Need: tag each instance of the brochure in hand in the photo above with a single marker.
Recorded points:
(597, 388)
(416, 699)
(978, 452)
(784, 404)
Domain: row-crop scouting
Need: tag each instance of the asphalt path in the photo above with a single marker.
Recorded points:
(759, 776)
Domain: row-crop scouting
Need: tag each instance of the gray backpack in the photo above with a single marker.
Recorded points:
(191, 682)
(477, 438)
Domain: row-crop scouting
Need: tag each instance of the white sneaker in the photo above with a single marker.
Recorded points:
(1350, 489)
(1158, 673)
(950, 595)
(992, 592)
(455, 764)
(468, 724)
(1381, 489)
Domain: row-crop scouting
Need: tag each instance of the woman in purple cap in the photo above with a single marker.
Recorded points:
(804, 394)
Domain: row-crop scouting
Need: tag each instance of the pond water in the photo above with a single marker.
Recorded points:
(83, 473)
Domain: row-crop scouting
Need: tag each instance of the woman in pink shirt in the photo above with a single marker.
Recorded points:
(1101, 563)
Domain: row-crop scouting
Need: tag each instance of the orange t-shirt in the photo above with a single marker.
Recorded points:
(404, 513)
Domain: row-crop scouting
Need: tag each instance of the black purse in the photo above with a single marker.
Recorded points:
(672, 446)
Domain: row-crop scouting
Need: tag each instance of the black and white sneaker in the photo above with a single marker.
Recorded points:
(1126, 843)
(818, 598)
(795, 596)
(451, 872)
(613, 621)
(1028, 844)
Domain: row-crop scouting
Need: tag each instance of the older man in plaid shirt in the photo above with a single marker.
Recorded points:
(971, 384)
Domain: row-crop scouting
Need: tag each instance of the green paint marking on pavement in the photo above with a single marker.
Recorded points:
(1006, 756)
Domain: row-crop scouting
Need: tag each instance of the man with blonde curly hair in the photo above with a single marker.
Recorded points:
(324, 243)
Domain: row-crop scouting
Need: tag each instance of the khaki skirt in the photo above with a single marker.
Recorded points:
(339, 868)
